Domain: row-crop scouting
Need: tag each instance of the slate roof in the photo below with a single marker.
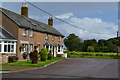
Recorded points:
(25, 22)
(4, 34)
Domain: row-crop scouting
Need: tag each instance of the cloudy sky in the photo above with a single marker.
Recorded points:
(94, 17)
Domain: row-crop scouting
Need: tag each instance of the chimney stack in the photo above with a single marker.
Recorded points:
(24, 9)
(50, 21)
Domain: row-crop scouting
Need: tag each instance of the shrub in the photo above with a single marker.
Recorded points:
(34, 56)
(25, 54)
(68, 55)
(12, 59)
(50, 56)
(43, 54)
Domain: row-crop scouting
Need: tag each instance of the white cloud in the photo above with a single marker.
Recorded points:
(107, 29)
(65, 16)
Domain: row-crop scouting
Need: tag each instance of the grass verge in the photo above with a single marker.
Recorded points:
(28, 63)
(5, 70)
(93, 56)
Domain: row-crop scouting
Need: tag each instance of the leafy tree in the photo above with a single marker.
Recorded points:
(86, 43)
(90, 49)
(73, 42)
(102, 42)
(103, 49)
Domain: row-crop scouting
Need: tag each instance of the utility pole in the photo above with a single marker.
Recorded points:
(118, 43)
(28, 44)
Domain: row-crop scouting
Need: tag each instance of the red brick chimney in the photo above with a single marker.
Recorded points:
(24, 9)
(50, 21)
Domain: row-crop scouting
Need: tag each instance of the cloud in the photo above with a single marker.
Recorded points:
(65, 16)
(91, 25)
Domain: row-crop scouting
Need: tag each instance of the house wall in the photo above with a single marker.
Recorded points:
(9, 25)
(37, 38)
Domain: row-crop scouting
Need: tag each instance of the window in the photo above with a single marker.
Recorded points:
(31, 32)
(58, 48)
(46, 36)
(52, 37)
(0, 47)
(8, 47)
(31, 47)
(59, 38)
(24, 31)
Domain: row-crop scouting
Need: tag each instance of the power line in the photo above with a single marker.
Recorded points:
(63, 20)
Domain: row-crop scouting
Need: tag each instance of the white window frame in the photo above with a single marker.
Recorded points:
(53, 38)
(24, 31)
(59, 48)
(31, 32)
(59, 39)
(46, 37)
(11, 44)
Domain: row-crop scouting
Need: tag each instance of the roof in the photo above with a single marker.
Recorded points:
(25, 22)
(4, 34)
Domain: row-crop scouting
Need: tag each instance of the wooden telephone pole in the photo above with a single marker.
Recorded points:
(118, 43)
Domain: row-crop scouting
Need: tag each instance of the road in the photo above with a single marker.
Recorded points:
(73, 68)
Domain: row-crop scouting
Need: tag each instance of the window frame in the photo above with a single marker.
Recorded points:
(59, 38)
(53, 37)
(10, 47)
(24, 32)
(31, 33)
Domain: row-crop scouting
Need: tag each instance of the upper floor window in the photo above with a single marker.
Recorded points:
(31, 32)
(59, 38)
(53, 38)
(46, 37)
(24, 31)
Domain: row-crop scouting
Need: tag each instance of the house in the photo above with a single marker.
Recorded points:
(7, 44)
(28, 33)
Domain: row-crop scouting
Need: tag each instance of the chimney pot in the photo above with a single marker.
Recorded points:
(23, 4)
(50, 21)
(26, 5)
(24, 9)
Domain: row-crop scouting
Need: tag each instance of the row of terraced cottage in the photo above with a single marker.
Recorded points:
(20, 34)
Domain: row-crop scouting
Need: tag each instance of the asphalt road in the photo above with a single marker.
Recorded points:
(73, 68)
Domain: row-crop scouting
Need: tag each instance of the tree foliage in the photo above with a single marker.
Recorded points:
(74, 43)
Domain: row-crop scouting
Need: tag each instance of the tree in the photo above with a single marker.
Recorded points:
(73, 42)
(86, 43)
(102, 42)
(90, 49)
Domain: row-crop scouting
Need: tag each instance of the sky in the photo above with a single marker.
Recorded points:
(94, 17)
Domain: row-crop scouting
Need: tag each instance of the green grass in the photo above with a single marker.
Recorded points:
(94, 55)
(5, 70)
(28, 63)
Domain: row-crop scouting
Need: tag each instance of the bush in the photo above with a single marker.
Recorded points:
(68, 55)
(43, 54)
(12, 59)
(25, 54)
(50, 56)
(34, 56)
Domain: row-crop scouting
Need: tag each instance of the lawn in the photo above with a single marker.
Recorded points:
(28, 63)
(5, 70)
(94, 55)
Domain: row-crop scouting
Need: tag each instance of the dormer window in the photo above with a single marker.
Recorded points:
(31, 32)
(24, 32)
(46, 37)
(59, 38)
(52, 37)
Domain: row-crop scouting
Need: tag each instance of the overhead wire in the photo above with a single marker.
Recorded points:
(65, 21)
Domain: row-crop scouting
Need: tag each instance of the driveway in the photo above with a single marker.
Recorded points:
(73, 68)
